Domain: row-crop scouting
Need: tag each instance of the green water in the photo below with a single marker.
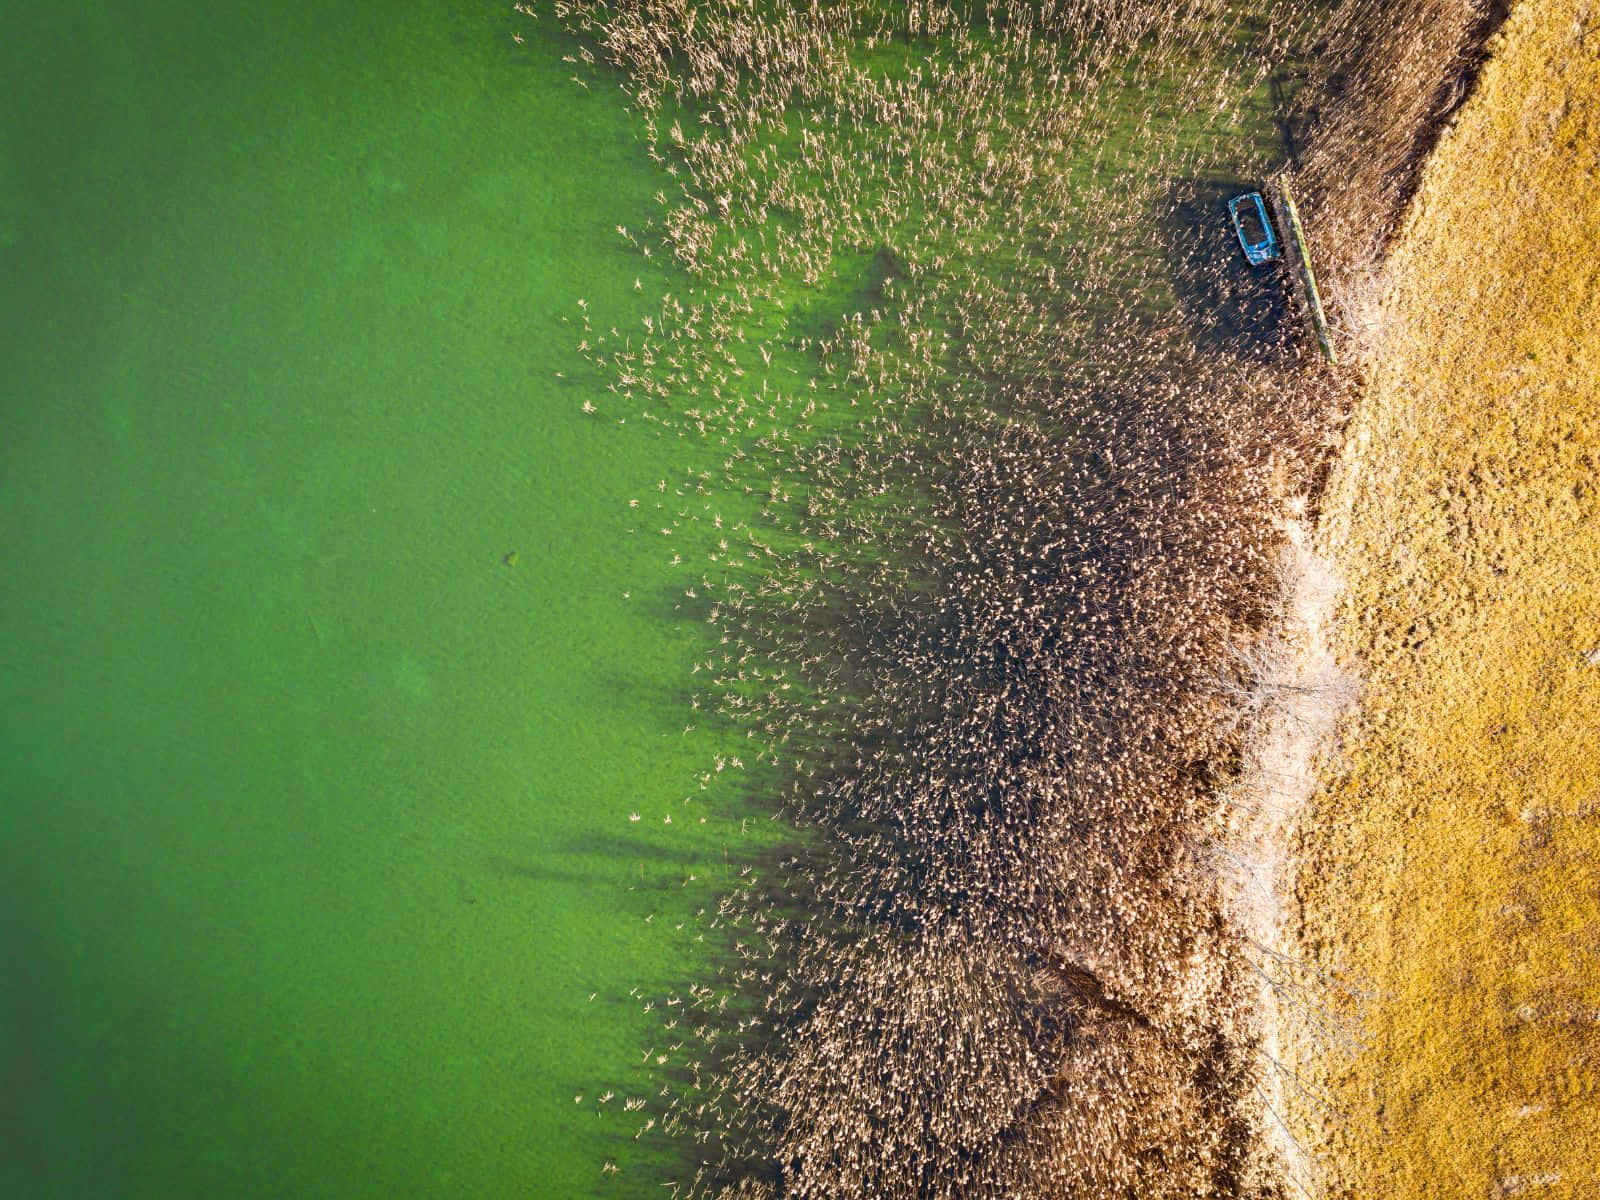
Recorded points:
(345, 716)
(322, 710)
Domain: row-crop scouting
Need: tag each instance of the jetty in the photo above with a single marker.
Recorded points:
(1308, 277)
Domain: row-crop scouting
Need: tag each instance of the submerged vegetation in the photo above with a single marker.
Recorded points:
(1006, 427)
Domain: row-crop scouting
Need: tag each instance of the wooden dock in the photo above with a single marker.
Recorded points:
(1308, 277)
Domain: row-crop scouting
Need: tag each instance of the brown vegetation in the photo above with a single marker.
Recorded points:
(1382, 81)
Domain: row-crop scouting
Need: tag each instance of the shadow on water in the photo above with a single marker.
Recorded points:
(1230, 306)
(589, 860)
(860, 284)
(1285, 88)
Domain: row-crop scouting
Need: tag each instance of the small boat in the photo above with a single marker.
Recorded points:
(1250, 222)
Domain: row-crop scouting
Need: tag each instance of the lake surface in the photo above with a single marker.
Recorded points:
(322, 710)
(347, 748)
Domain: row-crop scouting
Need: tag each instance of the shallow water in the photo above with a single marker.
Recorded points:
(342, 665)
(314, 834)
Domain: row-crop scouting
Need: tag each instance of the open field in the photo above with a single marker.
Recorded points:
(1450, 862)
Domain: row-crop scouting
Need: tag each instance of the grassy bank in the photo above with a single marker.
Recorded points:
(1449, 863)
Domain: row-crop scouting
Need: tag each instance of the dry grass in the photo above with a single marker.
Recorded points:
(1450, 864)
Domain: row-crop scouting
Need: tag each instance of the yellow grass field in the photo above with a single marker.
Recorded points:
(1449, 861)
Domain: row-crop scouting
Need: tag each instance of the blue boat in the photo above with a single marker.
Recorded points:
(1250, 222)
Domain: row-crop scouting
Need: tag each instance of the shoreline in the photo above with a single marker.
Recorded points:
(1302, 693)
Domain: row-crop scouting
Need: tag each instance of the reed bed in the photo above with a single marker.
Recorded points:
(1006, 459)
